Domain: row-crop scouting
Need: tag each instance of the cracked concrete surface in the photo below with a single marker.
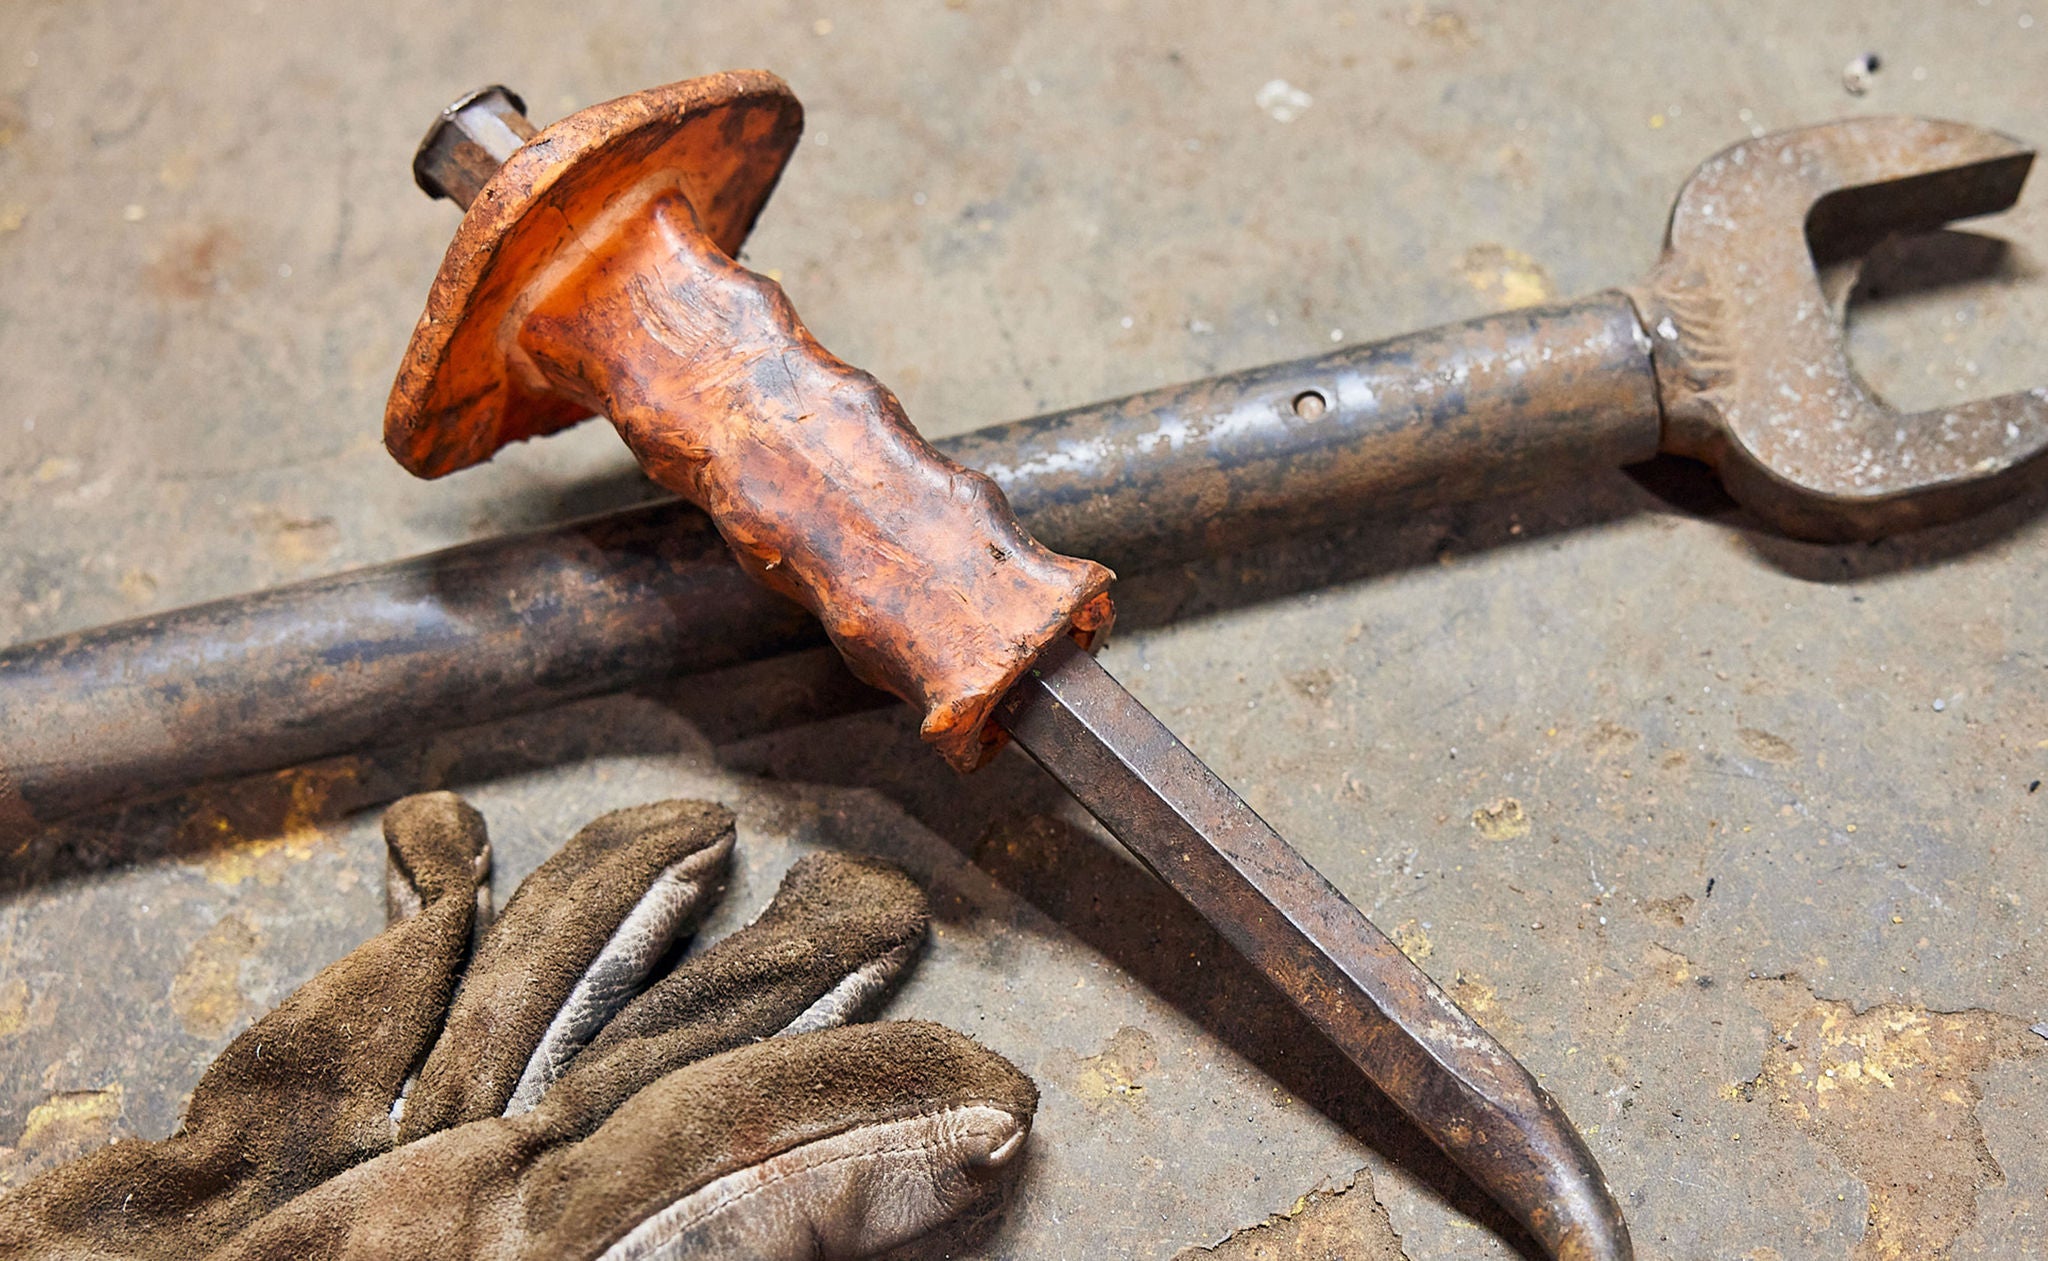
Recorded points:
(1689, 815)
(1893, 1093)
(1340, 1224)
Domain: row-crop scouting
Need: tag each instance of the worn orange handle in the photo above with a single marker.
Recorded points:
(916, 566)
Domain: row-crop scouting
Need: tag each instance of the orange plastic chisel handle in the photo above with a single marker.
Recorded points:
(916, 566)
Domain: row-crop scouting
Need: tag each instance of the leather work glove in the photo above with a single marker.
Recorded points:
(557, 1094)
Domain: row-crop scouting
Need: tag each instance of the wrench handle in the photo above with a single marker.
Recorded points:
(1498, 405)
(915, 565)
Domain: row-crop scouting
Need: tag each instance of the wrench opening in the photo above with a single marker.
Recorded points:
(1751, 356)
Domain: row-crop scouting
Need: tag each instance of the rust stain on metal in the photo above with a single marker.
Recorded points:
(1489, 407)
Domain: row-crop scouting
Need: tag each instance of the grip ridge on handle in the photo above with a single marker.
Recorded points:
(916, 566)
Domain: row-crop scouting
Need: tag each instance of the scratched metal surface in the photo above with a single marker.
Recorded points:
(1734, 840)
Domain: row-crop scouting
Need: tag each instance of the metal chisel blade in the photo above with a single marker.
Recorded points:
(1404, 1033)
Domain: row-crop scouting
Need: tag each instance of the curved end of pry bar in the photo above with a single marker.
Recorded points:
(1752, 363)
(1510, 1136)
(1578, 1219)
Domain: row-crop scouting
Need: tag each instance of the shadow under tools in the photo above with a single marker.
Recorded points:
(532, 507)
(758, 698)
(1901, 553)
(258, 813)
(201, 825)
(782, 693)
(1928, 262)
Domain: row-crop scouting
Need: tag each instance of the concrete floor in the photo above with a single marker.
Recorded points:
(1735, 841)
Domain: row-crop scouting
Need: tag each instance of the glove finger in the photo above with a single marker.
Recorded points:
(841, 1143)
(303, 1094)
(403, 896)
(838, 934)
(574, 944)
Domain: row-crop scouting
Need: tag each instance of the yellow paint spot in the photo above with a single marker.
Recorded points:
(207, 992)
(55, 469)
(1480, 1000)
(1444, 24)
(63, 1127)
(69, 1113)
(1671, 967)
(1413, 941)
(1672, 909)
(1770, 748)
(13, 1005)
(1346, 1222)
(1610, 739)
(304, 541)
(1506, 276)
(1503, 820)
(1116, 1073)
(138, 586)
(12, 216)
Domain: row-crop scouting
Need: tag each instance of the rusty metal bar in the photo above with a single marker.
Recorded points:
(1490, 407)
(509, 625)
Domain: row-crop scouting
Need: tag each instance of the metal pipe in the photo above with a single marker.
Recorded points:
(509, 625)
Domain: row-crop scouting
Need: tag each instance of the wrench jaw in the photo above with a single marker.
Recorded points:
(1753, 374)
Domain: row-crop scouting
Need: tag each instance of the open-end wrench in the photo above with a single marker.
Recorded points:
(593, 273)
(1753, 372)
(1728, 352)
